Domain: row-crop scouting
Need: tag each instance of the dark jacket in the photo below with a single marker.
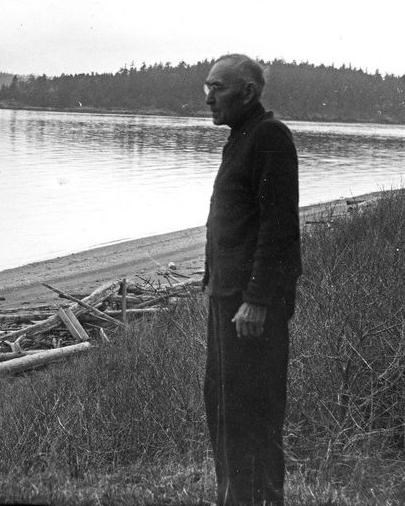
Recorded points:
(253, 239)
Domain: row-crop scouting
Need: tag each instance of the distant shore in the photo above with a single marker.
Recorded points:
(84, 271)
(103, 110)
(185, 113)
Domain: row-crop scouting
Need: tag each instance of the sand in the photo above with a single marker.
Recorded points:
(83, 272)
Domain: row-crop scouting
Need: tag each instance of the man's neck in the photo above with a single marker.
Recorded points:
(255, 109)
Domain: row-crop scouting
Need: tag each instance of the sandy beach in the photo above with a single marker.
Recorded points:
(82, 272)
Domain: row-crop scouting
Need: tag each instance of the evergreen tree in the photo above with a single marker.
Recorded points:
(294, 91)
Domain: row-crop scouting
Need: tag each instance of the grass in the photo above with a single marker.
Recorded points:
(125, 424)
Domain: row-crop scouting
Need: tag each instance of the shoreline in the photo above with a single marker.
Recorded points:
(103, 110)
(84, 271)
(197, 114)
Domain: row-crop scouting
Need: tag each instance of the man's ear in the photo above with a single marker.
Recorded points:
(250, 93)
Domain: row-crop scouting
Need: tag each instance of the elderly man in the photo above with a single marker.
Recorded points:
(252, 265)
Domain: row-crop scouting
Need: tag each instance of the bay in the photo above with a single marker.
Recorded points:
(73, 181)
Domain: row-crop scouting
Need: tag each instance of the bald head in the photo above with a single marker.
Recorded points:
(246, 69)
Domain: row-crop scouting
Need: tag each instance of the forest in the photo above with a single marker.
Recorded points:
(5, 78)
(296, 91)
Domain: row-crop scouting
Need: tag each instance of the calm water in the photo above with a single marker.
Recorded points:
(69, 181)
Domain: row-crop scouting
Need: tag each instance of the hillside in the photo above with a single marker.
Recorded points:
(294, 91)
(5, 79)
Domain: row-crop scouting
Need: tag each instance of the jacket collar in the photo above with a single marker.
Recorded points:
(249, 119)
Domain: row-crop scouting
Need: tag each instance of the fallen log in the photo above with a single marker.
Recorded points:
(358, 204)
(131, 313)
(27, 362)
(100, 294)
(24, 317)
(137, 299)
(136, 311)
(170, 291)
(135, 289)
(80, 296)
(9, 355)
(29, 309)
(89, 307)
(354, 201)
(73, 324)
(134, 300)
(153, 301)
(189, 283)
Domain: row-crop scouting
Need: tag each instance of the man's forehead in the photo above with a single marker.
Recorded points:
(223, 71)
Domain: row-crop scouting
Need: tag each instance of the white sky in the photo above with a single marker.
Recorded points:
(55, 36)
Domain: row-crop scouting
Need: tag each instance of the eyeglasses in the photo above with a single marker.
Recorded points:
(214, 88)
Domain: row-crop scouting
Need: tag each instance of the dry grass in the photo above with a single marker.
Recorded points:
(126, 425)
(347, 366)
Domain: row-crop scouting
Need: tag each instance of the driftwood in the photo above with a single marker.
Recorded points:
(153, 301)
(124, 301)
(25, 317)
(169, 291)
(73, 324)
(354, 202)
(131, 299)
(192, 282)
(16, 345)
(100, 294)
(84, 304)
(32, 361)
(136, 311)
(80, 296)
(114, 298)
(104, 336)
(16, 354)
(30, 309)
(131, 313)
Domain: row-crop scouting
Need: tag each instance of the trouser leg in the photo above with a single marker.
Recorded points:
(213, 396)
(245, 392)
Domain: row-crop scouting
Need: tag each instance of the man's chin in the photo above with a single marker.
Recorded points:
(217, 118)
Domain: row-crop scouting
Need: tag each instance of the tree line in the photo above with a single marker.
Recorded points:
(299, 91)
(5, 78)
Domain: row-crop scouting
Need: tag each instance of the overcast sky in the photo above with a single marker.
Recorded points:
(70, 36)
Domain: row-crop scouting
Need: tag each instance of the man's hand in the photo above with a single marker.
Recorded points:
(249, 320)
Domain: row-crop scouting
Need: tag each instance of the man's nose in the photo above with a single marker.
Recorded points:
(210, 97)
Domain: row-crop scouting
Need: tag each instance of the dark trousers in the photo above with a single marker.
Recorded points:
(245, 396)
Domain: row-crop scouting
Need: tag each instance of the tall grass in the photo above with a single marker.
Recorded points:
(347, 368)
(137, 398)
(127, 421)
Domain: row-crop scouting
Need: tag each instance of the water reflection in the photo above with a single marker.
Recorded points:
(71, 181)
(138, 133)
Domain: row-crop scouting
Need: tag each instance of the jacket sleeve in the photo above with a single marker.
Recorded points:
(276, 261)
